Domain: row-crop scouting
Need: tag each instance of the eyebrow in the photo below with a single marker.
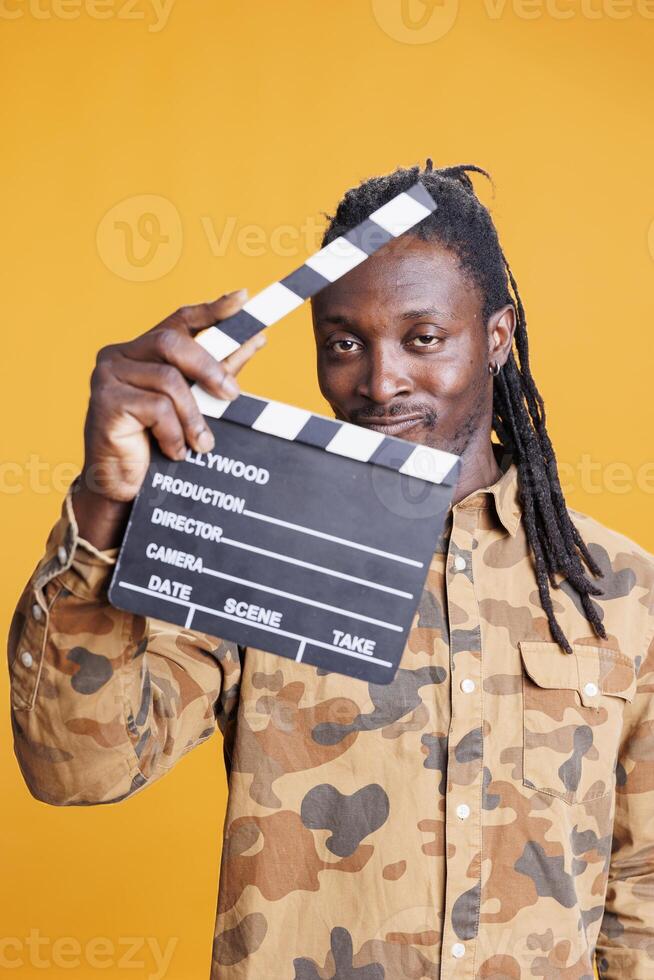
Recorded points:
(337, 318)
(341, 320)
(425, 311)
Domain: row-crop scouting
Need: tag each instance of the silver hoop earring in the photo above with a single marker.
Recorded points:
(494, 369)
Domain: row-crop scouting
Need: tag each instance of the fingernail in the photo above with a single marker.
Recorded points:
(238, 294)
(230, 387)
(261, 339)
(205, 441)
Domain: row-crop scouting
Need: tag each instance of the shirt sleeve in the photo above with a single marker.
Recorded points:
(103, 702)
(625, 946)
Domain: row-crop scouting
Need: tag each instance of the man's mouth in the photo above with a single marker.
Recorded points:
(391, 425)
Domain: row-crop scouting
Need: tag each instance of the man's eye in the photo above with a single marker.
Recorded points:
(345, 349)
(426, 340)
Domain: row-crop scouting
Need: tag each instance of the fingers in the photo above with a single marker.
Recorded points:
(171, 342)
(155, 411)
(203, 315)
(147, 379)
(238, 358)
(167, 380)
(175, 346)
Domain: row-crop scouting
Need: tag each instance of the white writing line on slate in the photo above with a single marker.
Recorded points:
(331, 537)
(192, 606)
(298, 598)
(316, 568)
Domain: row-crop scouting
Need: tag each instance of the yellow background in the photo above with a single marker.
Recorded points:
(255, 117)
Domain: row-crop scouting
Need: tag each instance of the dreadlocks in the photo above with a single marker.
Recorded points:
(462, 224)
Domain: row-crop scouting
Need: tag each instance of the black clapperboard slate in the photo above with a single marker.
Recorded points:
(299, 534)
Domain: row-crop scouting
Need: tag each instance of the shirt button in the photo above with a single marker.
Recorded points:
(590, 689)
(463, 811)
(37, 612)
(467, 685)
(458, 950)
(459, 563)
(26, 658)
(62, 557)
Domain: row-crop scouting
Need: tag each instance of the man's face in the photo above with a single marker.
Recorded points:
(402, 348)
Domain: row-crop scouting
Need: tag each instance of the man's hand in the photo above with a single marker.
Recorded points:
(145, 385)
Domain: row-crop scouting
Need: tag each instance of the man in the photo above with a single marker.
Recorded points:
(490, 813)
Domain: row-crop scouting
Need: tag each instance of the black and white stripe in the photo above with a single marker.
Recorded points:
(267, 307)
(342, 438)
(323, 267)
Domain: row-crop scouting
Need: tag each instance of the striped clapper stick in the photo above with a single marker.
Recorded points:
(300, 535)
(327, 265)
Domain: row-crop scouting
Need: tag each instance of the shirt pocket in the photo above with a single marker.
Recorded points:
(572, 706)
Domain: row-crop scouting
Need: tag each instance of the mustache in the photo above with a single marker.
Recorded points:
(372, 412)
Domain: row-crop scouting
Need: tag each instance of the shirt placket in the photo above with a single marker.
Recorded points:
(463, 799)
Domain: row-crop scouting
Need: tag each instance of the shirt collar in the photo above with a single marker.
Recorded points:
(504, 493)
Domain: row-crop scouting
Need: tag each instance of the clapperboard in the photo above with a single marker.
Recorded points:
(299, 534)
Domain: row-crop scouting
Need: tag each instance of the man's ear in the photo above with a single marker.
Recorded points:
(500, 329)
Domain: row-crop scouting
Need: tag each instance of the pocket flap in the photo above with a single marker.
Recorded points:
(591, 671)
(548, 665)
(610, 671)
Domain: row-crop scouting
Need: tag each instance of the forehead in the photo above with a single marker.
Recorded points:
(406, 271)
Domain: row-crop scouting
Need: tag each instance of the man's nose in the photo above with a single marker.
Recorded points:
(385, 376)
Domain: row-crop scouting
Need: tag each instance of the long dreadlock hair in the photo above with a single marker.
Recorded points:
(463, 224)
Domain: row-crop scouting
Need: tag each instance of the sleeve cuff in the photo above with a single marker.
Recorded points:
(81, 567)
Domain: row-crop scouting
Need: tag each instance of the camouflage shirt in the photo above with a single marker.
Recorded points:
(488, 814)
